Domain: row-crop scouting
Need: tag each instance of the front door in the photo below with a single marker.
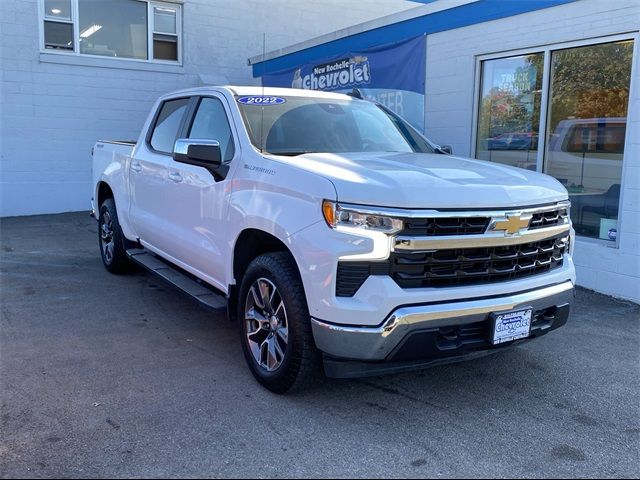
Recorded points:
(197, 197)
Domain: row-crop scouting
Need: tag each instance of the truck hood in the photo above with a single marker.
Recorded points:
(428, 180)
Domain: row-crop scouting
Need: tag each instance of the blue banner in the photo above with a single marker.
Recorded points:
(392, 75)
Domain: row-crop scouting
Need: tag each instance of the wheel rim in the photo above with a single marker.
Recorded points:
(106, 236)
(267, 328)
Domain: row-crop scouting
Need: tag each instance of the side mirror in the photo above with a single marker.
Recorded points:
(203, 153)
(446, 149)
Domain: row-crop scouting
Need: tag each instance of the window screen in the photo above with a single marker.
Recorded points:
(58, 35)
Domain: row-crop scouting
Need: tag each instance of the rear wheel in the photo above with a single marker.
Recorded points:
(275, 325)
(111, 239)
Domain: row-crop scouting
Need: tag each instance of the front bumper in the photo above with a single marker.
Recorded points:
(418, 335)
(318, 250)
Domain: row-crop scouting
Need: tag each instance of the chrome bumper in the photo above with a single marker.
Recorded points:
(377, 343)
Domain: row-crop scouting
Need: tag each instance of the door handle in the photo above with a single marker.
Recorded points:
(136, 167)
(175, 177)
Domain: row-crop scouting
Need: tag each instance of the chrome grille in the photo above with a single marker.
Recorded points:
(474, 225)
(468, 266)
(549, 219)
(456, 267)
(445, 226)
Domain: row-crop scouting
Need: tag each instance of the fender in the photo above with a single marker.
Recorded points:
(276, 198)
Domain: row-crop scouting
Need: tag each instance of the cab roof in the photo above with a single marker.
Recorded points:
(271, 91)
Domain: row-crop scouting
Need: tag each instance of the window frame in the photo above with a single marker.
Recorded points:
(70, 21)
(75, 16)
(547, 51)
(151, 30)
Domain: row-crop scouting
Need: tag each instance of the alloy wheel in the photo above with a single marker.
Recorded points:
(267, 328)
(106, 237)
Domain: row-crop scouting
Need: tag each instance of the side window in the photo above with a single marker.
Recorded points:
(167, 124)
(211, 123)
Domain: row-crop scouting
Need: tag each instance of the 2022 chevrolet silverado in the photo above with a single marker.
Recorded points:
(333, 232)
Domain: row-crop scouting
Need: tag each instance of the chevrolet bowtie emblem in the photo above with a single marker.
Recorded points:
(512, 225)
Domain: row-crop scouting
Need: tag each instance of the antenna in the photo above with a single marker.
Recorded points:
(264, 52)
(356, 93)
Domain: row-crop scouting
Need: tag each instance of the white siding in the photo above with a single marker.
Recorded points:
(450, 87)
(53, 107)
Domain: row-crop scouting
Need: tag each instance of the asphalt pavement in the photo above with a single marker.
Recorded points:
(104, 375)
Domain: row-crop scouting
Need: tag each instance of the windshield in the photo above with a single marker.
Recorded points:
(297, 125)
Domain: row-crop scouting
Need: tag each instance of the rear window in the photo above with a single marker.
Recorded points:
(601, 137)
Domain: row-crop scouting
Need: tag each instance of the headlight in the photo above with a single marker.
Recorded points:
(337, 216)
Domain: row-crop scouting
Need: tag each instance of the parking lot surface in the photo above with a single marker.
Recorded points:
(105, 375)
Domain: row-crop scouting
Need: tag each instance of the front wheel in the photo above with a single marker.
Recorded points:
(275, 325)
(111, 239)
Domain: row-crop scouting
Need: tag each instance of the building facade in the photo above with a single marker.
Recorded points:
(75, 71)
(551, 86)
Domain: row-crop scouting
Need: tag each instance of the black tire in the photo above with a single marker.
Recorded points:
(111, 240)
(300, 363)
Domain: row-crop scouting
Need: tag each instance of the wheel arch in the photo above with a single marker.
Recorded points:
(250, 244)
(103, 191)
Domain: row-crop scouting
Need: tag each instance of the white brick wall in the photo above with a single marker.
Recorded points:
(53, 108)
(450, 87)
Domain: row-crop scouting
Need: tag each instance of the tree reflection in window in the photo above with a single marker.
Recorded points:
(509, 113)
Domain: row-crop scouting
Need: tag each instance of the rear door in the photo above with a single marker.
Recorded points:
(148, 174)
(198, 197)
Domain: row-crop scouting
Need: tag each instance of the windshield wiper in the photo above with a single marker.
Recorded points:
(290, 153)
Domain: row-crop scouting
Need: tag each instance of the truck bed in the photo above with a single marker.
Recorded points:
(130, 143)
(112, 156)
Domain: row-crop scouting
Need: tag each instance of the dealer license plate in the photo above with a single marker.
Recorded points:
(510, 326)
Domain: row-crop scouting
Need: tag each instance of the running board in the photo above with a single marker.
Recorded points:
(178, 279)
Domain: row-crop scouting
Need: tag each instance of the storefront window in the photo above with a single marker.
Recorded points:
(509, 110)
(586, 126)
(586, 121)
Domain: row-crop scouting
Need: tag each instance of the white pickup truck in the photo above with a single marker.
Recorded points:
(335, 234)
